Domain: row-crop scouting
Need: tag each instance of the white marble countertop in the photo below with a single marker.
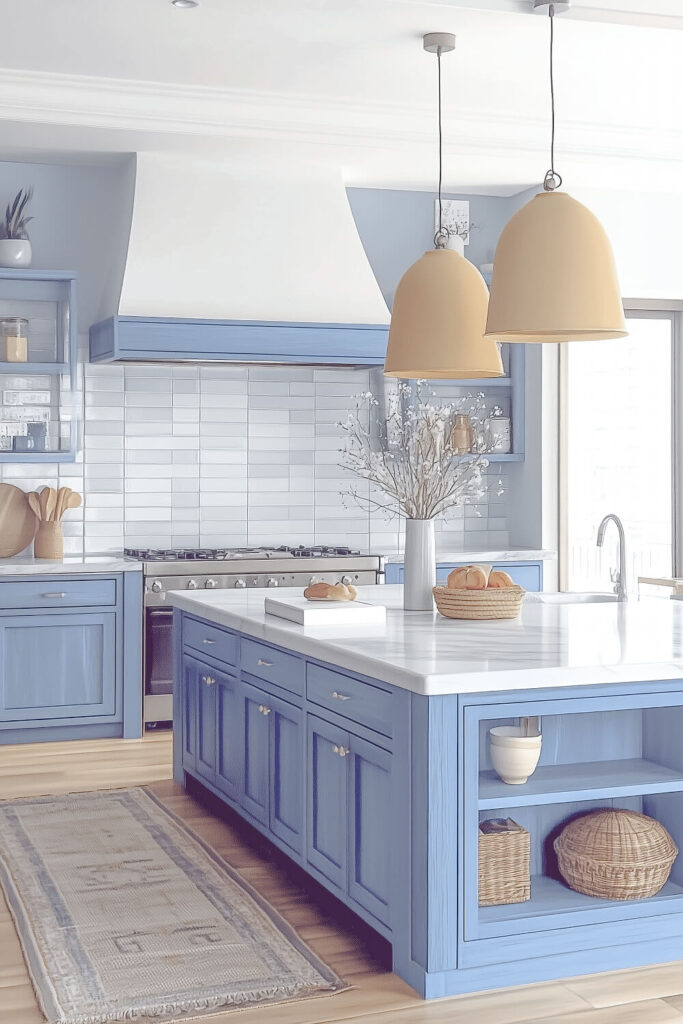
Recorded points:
(548, 645)
(20, 566)
(494, 555)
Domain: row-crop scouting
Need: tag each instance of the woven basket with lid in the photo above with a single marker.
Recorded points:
(615, 854)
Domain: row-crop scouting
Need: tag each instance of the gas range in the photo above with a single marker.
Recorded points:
(167, 569)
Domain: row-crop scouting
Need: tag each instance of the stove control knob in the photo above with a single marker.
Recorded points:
(272, 582)
(157, 587)
(240, 584)
(347, 579)
(211, 584)
(191, 584)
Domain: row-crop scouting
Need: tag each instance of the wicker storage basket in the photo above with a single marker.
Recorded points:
(503, 863)
(503, 603)
(617, 855)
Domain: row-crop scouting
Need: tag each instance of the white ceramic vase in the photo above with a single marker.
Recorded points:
(419, 566)
(15, 252)
(514, 755)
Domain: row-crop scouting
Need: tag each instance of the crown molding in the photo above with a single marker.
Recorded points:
(165, 109)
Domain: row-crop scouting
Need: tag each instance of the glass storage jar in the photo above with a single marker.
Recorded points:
(14, 335)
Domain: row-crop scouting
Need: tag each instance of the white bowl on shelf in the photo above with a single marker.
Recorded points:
(514, 755)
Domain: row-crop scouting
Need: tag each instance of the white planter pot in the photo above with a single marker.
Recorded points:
(514, 755)
(15, 252)
(419, 567)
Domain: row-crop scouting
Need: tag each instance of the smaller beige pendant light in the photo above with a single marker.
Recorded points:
(554, 275)
(439, 313)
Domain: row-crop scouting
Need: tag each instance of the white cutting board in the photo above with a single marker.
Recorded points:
(325, 613)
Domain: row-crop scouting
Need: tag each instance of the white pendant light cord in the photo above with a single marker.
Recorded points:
(552, 179)
(441, 236)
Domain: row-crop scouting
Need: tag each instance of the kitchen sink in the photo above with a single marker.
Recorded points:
(576, 597)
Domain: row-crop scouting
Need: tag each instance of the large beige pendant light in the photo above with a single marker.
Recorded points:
(554, 275)
(439, 312)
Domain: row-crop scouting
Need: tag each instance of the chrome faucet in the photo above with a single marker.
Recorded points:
(618, 576)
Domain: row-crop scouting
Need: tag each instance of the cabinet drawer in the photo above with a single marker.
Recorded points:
(273, 665)
(56, 592)
(211, 641)
(361, 702)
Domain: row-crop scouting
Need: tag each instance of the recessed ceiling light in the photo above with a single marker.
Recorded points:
(185, 3)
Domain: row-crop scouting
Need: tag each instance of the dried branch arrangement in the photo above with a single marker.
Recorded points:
(404, 446)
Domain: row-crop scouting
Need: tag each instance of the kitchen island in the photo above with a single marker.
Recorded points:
(362, 754)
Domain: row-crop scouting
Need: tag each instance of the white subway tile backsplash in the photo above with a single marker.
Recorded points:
(216, 455)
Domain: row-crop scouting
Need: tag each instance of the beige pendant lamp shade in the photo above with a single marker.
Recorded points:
(439, 312)
(438, 320)
(554, 276)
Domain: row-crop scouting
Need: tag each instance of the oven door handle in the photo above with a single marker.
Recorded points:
(155, 613)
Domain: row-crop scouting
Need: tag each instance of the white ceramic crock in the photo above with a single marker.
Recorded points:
(514, 755)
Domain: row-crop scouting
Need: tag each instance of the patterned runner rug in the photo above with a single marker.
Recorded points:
(124, 913)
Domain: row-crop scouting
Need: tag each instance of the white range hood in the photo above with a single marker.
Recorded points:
(218, 241)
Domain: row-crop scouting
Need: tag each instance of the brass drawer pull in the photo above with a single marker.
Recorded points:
(264, 709)
(342, 751)
(264, 664)
(209, 680)
(340, 696)
(206, 640)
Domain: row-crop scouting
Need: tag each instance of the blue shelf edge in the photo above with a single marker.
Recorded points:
(45, 457)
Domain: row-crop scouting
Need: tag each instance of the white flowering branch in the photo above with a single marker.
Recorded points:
(407, 451)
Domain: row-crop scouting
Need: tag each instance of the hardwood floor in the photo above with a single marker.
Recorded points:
(644, 996)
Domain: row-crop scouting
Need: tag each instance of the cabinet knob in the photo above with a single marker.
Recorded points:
(342, 751)
(209, 680)
(340, 696)
(264, 709)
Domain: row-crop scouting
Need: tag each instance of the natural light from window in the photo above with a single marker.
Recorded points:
(619, 453)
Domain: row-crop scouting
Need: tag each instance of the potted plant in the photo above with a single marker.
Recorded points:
(15, 247)
(407, 447)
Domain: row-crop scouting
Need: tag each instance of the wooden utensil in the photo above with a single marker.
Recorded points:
(18, 522)
(42, 497)
(51, 503)
(34, 502)
(62, 498)
(73, 501)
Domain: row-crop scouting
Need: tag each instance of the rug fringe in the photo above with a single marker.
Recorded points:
(171, 1011)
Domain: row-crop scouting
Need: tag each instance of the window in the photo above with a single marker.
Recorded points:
(618, 453)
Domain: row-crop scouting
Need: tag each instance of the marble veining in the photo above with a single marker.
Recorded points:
(548, 645)
(71, 564)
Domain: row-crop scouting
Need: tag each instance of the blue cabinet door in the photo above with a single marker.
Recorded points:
(287, 766)
(189, 706)
(229, 755)
(206, 723)
(255, 712)
(370, 827)
(57, 666)
(327, 832)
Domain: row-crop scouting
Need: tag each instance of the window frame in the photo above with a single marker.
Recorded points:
(635, 309)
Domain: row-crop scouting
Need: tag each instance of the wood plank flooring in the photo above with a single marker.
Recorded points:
(643, 996)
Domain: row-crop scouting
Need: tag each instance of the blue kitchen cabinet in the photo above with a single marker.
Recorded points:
(327, 839)
(229, 756)
(256, 736)
(286, 795)
(189, 709)
(369, 821)
(527, 574)
(57, 666)
(206, 722)
(70, 657)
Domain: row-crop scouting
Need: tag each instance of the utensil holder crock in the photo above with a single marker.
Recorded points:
(49, 542)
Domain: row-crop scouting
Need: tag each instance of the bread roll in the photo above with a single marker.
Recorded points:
(469, 577)
(498, 580)
(330, 592)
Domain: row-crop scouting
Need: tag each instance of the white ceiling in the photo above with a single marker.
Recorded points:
(346, 81)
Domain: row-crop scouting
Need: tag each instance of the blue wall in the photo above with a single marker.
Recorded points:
(396, 227)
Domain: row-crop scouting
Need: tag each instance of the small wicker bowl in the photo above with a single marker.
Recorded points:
(499, 603)
(616, 855)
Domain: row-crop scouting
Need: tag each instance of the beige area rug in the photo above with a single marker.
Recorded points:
(124, 913)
